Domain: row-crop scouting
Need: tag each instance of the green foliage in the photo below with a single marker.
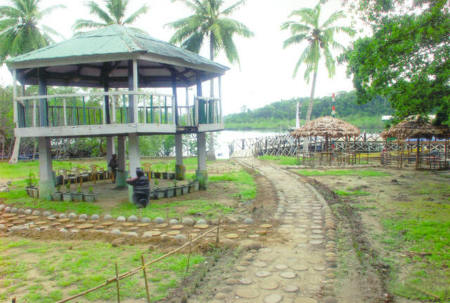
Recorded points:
(407, 61)
(71, 271)
(344, 193)
(210, 20)
(20, 28)
(343, 172)
(113, 13)
(244, 180)
(281, 114)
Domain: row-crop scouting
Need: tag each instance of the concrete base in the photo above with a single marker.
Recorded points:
(180, 172)
(202, 178)
(121, 178)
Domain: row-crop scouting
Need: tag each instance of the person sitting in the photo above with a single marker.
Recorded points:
(112, 165)
(141, 189)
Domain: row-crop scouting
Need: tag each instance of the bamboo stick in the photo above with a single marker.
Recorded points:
(145, 279)
(117, 283)
(136, 270)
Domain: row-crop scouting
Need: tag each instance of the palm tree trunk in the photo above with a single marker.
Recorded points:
(211, 155)
(310, 106)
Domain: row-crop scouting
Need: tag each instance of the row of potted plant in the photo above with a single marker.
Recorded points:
(175, 190)
(162, 175)
(77, 196)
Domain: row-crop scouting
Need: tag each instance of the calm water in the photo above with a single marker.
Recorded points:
(226, 137)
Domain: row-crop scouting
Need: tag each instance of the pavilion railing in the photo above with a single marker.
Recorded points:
(90, 109)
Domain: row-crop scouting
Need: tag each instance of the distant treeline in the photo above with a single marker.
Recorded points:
(281, 114)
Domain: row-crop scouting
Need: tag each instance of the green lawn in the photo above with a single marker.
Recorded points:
(41, 272)
(244, 181)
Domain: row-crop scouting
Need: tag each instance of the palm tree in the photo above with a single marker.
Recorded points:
(114, 14)
(210, 20)
(319, 41)
(20, 28)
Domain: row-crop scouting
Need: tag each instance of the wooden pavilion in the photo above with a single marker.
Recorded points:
(121, 58)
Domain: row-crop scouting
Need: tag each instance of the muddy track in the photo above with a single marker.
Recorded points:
(374, 279)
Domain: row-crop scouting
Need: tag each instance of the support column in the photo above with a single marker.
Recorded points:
(180, 170)
(133, 153)
(121, 170)
(109, 148)
(46, 180)
(202, 174)
(43, 105)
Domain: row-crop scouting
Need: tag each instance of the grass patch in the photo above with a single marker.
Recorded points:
(68, 268)
(208, 209)
(343, 172)
(344, 193)
(244, 181)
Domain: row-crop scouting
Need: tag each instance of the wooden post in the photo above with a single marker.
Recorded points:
(189, 254)
(117, 283)
(145, 279)
(418, 153)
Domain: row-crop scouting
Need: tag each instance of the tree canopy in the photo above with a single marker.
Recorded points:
(406, 60)
(21, 30)
(113, 13)
(210, 20)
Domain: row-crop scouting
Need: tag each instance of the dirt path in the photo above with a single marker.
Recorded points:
(298, 269)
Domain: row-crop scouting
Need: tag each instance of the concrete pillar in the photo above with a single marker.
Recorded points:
(180, 170)
(43, 105)
(202, 174)
(121, 170)
(109, 148)
(133, 153)
(46, 180)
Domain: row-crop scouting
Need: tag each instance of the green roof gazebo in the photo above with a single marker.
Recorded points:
(122, 58)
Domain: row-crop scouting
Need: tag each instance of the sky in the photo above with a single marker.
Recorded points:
(265, 74)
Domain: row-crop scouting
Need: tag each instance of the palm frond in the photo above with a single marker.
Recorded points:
(294, 40)
(99, 12)
(50, 9)
(85, 24)
(194, 42)
(307, 15)
(230, 49)
(136, 14)
(330, 63)
(333, 18)
(232, 8)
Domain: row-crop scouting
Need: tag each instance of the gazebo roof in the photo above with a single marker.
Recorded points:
(416, 127)
(327, 127)
(84, 59)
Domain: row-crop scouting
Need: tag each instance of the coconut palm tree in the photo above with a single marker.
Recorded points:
(319, 41)
(20, 28)
(113, 14)
(210, 21)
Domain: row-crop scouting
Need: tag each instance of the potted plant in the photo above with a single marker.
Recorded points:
(67, 196)
(31, 188)
(185, 189)
(171, 176)
(178, 189)
(90, 196)
(57, 195)
(78, 196)
(170, 192)
(165, 174)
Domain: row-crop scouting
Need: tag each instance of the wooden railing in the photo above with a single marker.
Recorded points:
(122, 107)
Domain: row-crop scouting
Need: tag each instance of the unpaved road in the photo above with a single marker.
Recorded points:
(297, 269)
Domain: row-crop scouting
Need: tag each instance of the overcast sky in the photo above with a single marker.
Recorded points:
(265, 74)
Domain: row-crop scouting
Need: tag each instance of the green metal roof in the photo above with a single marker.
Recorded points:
(107, 41)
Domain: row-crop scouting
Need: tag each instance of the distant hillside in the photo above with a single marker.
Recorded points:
(281, 114)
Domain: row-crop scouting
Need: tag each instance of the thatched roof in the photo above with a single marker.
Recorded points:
(327, 127)
(416, 127)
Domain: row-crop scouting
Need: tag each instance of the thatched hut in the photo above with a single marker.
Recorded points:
(327, 127)
(416, 127)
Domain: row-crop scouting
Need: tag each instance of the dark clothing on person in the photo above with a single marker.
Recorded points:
(113, 166)
(141, 190)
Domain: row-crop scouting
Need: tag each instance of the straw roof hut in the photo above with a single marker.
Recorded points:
(416, 127)
(327, 127)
